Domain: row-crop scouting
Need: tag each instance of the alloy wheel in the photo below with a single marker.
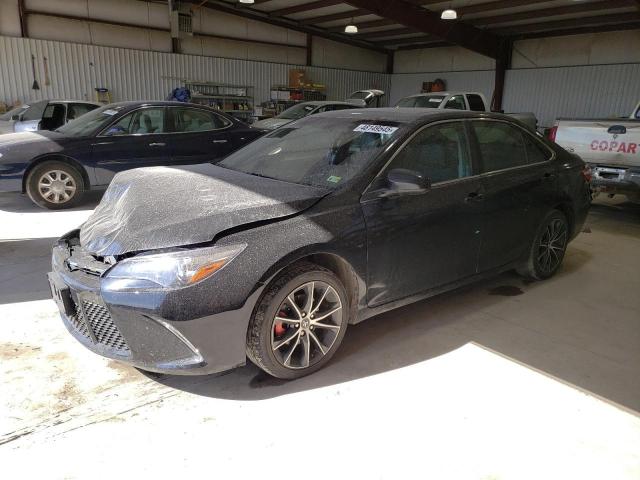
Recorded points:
(306, 325)
(57, 186)
(552, 245)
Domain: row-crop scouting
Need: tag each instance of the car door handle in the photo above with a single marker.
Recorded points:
(220, 141)
(617, 129)
(474, 197)
(157, 144)
(548, 176)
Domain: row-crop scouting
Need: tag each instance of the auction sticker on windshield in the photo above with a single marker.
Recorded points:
(375, 129)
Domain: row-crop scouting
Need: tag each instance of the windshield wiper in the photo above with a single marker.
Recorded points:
(262, 175)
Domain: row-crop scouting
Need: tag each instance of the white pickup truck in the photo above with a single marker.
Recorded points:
(473, 101)
(610, 146)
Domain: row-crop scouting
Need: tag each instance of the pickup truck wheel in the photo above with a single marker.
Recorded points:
(299, 322)
(55, 185)
(548, 248)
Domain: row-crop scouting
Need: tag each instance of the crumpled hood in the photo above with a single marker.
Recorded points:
(161, 207)
(271, 123)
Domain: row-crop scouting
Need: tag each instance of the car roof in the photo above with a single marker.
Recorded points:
(76, 101)
(325, 102)
(408, 115)
(131, 105)
(428, 94)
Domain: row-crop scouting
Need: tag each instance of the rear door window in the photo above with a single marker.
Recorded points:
(536, 152)
(501, 145)
(53, 116)
(476, 103)
(196, 120)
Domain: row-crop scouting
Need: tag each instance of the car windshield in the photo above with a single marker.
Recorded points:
(16, 111)
(360, 95)
(298, 111)
(91, 122)
(320, 151)
(426, 101)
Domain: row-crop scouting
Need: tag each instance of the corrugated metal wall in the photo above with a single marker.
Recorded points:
(581, 91)
(403, 84)
(75, 70)
(584, 91)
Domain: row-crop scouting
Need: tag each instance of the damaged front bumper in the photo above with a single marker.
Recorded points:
(134, 327)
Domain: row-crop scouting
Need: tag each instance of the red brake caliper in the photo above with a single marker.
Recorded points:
(278, 327)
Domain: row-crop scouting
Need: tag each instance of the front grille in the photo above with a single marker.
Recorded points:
(102, 325)
(77, 320)
(93, 321)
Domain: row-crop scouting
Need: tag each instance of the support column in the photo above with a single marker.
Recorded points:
(390, 60)
(503, 63)
(309, 50)
(24, 32)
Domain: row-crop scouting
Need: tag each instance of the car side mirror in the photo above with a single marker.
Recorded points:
(402, 181)
(15, 118)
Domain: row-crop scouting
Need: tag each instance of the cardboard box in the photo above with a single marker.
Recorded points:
(297, 78)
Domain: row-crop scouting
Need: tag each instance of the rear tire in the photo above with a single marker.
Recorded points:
(548, 248)
(55, 185)
(299, 322)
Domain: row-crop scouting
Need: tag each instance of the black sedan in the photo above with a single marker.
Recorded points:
(55, 168)
(320, 224)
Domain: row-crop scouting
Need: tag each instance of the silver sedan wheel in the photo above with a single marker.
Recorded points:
(306, 325)
(57, 186)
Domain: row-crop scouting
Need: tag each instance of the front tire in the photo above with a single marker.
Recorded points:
(55, 185)
(548, 248)
(299, 322)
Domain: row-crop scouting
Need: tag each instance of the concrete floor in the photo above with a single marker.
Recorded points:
(503, 379)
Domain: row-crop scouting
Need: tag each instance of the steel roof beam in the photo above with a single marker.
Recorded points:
(429, 22)
(305, 7)
(551, 12)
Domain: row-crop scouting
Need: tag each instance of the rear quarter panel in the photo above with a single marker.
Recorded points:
(591, 141)
(574, 192)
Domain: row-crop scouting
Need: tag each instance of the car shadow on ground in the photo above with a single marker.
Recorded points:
(403, 337)
(615, 213)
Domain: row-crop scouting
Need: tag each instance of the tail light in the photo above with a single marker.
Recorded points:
(586, 173)
(552, 133)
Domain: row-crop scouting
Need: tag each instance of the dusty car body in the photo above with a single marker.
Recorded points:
(473, 101)
(299, 111)
(56, 167)
(369, 98)
(44, 115)
(326, 222)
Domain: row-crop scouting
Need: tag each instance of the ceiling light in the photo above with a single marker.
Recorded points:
(246, 1)
(350, 29)
(449, 14)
